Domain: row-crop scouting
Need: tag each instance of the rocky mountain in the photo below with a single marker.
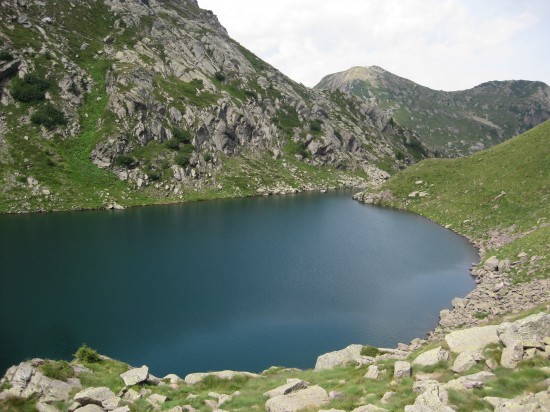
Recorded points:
(108, 103)
(453, 123)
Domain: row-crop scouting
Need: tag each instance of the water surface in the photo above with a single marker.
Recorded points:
(232, 284)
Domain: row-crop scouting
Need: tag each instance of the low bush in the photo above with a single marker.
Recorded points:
(6, 56)
(125, 160)
(181, 135)
(87, 354)
(60, 370)
(29, 89)
(50, 117)
(315, 125)
(183, 159)
(172, 144)
(370, 351)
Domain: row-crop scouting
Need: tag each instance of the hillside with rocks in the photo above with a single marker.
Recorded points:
(116, 103)
(453, 123)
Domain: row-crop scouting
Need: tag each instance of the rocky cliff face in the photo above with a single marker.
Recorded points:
(157, 93)
(454, 123)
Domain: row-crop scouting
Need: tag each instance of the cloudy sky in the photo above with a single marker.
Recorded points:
(442, 44)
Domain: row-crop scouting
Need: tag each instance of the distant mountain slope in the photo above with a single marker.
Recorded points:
(151, 101)
(455, 123)
(499, 197)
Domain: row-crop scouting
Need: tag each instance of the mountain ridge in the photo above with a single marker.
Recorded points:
(454, 123)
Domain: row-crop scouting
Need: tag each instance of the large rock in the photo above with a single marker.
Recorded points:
(90, 408)
(194, 378)
(491, 264)
(135, 376)
(291, 385)
(313, 397)
(526, 403)
(402, 369)
(466, 360)
(350, 354)
(433, 399)
(512, 355)
(472, 338)
(96, 396)
(432, 357)
(477, 380)
(372, 372)
(535, 327)
(369, 408)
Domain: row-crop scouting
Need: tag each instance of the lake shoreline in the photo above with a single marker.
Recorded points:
(494, 295)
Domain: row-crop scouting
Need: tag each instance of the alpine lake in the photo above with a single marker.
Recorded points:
(240, 284)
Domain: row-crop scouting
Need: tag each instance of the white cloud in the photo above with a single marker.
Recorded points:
(443, 44)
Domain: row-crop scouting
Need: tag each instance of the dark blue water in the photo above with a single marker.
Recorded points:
(235, 284)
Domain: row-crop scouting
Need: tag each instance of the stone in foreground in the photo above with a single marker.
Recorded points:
(472, 338)
(372, 372)
(135, 376)
(466, 360)
(433, 399)
(291, 385)
(96, 396)
(402, 369)
(369, 408)
(313, 397)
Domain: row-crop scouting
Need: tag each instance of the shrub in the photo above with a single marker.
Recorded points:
(48, 116)
(29, 89)
(154, 175)
(207, 156)
(296, 148)
(183, 159)
(172, 144)
(251, 93)
(60, 370)
(6, 56)
(220, 76)
(315, 125)
(87, 354)
(182, 136)
(369, 351)
(399, 155)
(125, 160)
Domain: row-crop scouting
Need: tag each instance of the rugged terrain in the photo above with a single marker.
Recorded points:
(108, 103)
(452, 123)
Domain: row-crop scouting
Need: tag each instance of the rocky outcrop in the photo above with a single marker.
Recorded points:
(350, 354)
(27, 380)
(432, 357)
(194, 378)
(471, 339)
(135, 376)
(291, 385)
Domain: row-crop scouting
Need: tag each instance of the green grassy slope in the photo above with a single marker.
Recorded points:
(499, 198)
